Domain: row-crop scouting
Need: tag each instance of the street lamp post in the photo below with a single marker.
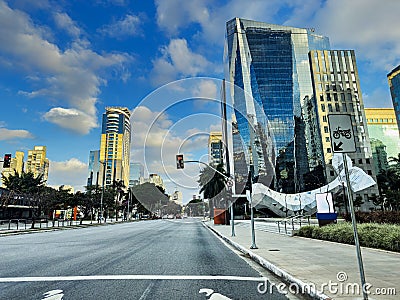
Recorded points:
(102, 189)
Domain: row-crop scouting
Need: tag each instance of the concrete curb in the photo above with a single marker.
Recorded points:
(308, 288)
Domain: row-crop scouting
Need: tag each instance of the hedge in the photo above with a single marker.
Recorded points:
(374, 235)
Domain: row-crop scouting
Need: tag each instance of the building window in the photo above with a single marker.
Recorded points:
(368, 161)
(328, 150)
(332, 173)
(360, 161)
(326, 129)
(323, 107)
(369, 172)
(326, 139)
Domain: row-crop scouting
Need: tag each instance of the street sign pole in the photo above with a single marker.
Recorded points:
(353, 221)
(343, 141)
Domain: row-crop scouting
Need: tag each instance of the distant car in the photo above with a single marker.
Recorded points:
(178, 216)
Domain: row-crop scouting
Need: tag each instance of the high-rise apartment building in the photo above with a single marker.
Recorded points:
(37, 163)
(16, 165)
(94, 168)
(115, 146)
(136, 171)
(157, 180)
(394, 85)
(337, 91)
(268, 65)
(382, 126)
(215, 155)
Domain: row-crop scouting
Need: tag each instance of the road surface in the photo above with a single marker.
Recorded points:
(160, 259)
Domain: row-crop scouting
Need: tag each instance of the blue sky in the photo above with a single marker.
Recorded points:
(62, 62)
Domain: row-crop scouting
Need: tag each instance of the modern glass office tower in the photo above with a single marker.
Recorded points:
(115, 146)
(394, 84)
(269, 66)
(94, 168)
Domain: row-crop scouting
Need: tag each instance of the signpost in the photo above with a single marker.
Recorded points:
(342, 135)
(343, 141)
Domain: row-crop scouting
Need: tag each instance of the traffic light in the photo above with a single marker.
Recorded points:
(7, 161)
(179, 161)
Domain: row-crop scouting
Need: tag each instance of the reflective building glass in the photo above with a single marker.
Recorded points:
(270, 68)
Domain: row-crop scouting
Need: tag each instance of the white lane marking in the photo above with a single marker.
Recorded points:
(213, 296)
(130, 277)
(146, 291)
(53, 295)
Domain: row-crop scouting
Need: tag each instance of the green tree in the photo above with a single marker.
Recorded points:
(31, 189)
(389, 185)
(212, 185)
(118, 190)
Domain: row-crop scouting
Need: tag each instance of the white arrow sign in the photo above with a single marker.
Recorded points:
(342, 135)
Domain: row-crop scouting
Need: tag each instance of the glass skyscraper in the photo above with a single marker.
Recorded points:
(394, 84)
(269, 67)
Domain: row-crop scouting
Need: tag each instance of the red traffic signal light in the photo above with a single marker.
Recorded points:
(7, 161)
(179, 161)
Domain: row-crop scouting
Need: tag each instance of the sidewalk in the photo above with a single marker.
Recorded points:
(306, 261)
(22, 228)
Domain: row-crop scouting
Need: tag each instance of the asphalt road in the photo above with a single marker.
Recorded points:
(161, 259)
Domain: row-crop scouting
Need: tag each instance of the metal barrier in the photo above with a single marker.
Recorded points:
(291, 220)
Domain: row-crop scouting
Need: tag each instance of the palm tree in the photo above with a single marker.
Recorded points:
(118, 188)
(212, 184)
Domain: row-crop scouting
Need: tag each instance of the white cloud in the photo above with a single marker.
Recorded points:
(172, 15)
(207, 89)
(9, 134)
(64, 21)
(124, 28)
(71, 172)
(71, 119)
(156, 140)
(71, 78)
(177, 61)
(371, 28)
(175, 15)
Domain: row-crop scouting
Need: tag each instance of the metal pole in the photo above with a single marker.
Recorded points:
(253, 233)
(129, 200)
(102, 190)
(353, 221)
(232, 220)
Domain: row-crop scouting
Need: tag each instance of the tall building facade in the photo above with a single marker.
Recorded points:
(156, 180)
(337, 91)
(379, 155)
(215, 150)
(94, 168)
(37, 163)
(136, 171)
(16, 165)
(269, 67)
(115, 146)
(382, 125)
(394, 85)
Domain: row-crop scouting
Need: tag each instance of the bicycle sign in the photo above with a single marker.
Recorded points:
(341, 131)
